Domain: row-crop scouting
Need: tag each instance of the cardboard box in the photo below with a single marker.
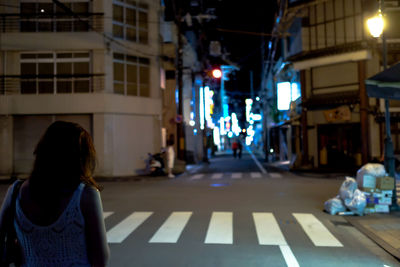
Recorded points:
(381, 208)
(384, 183)
(385, 200)
(383, 193)
(368, 183)
(387, 193)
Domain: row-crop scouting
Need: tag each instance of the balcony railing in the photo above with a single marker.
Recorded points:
(51, 23)
(51, 84)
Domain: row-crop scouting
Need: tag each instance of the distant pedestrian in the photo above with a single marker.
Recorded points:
(58, 212)
(170, 155)
(235, 148)
(240, 147)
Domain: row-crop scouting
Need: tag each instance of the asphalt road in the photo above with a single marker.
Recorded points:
(231, 213)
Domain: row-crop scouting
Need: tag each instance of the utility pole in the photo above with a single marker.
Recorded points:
(389, 150)
(205, 138)
(179, 66)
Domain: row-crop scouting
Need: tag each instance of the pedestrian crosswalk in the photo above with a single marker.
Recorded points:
(235, 175)
(220, 228)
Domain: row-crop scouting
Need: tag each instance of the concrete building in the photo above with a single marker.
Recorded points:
(91, 62)
(327, 51)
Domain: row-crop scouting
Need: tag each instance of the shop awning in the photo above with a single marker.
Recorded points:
(385, 84)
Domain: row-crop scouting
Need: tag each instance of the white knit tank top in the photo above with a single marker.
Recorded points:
(61, 244)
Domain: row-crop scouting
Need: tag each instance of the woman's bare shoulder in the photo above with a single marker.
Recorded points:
(90, 197)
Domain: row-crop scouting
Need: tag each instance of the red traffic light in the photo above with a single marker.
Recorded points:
(217, 73)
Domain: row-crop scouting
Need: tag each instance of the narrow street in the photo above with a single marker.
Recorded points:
(230, 213)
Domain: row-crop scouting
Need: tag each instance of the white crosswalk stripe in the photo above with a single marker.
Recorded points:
(220, 228)
(255, 175)
(275, 175)
(171, 230)
(269, 233)
(217, 175)
(267, 228)
(237, 175)
(197, 176)
(233, 175)
(121, 231)
(316, 231)
(107, 214)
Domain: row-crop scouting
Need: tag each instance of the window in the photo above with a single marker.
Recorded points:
(334, 22)
(49, 17)
(130, 21)
(131, 75)
(60, 73)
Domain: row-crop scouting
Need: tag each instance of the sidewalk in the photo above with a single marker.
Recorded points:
(383, 229)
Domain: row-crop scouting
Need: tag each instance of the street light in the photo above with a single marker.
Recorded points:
(376, 26)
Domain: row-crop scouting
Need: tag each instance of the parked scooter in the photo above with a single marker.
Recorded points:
(155, 164)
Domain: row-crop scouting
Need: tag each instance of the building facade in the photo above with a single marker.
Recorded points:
(328, 51)
(92, 62)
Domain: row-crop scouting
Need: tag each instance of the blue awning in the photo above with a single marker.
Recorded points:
(385, 84)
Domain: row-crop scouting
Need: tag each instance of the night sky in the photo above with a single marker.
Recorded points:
(244, 49)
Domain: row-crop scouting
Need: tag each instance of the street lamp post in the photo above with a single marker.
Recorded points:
(376, 28)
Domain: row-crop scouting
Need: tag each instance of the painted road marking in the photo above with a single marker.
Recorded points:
(172, 228)
(237, 175)
(220, 228)
(256, 161)
(107, 214)
(255, 175)
(275, 175)
(288, 256)
(217, 175)
(316, 231)
(269, 233)
(267, 228)
(197, 176)
(118, 233)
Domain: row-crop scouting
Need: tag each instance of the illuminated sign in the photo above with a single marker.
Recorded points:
(287, 92)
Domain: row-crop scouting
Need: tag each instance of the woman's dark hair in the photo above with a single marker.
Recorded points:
(65, 157)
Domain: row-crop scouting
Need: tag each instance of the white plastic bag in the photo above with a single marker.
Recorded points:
(371, 169)
(358, 203)
(334, 205)
(347, 189)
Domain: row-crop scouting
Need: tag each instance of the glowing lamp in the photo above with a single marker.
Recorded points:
(217, 73)
(375, 25)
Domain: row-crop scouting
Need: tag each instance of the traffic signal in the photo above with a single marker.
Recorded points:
(216, 73)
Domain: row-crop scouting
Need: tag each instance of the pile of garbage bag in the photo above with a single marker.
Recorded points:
(351, 200)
